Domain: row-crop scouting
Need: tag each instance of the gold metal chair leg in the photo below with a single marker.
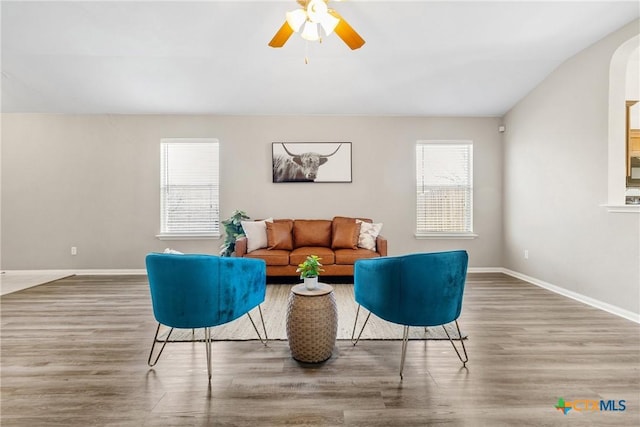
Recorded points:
(464, 349)
(155, 340)
(266, 338)
(354, 326)
(405, 339)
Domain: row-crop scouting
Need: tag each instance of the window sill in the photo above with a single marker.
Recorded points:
(622, 208)
(188, 236)
(463, 236)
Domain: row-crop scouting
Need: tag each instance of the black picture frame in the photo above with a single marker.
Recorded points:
(311, 162)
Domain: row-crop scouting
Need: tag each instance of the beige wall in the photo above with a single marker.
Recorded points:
(91, 181)
(555, 174)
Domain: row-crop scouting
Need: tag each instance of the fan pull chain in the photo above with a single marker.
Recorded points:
(306, 52)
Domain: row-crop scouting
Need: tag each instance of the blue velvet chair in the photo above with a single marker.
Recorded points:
(423, 289)
(203, 291)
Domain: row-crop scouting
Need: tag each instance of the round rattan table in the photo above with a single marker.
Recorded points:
(312, 323)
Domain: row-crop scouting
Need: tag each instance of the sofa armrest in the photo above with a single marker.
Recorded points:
(241, 246)
(381, 245)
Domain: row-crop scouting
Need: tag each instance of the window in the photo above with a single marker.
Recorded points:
(444, 198)
(189, 188)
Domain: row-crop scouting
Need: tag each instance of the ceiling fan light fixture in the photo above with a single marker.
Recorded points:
(313, 21)
(296, 18)
(310, 32)
(316, 10)
(329, 23)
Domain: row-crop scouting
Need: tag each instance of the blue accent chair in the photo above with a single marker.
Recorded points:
(423, 289)
(202, 291)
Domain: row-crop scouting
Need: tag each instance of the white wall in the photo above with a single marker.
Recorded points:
(555, 176)
(92, 182)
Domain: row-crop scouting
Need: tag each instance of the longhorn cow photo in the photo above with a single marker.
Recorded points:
(312, 162)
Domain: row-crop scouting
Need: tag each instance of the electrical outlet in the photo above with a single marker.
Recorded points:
(526, 254)
(74, 250)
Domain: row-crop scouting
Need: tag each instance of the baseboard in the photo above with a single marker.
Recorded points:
(626, 314)
(38, 272)
(485, 270)
(87, 272)
(125, 272)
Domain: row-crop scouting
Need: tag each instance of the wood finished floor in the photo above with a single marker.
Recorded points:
(74, 351)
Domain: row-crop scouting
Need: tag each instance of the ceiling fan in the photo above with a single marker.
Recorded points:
(313, 18)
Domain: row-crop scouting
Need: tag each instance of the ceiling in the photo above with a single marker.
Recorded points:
(422, 58)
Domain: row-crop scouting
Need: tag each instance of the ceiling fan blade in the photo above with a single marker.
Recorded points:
(281, 36)
(347, 33)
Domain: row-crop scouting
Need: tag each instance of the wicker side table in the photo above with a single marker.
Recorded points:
(312, 323)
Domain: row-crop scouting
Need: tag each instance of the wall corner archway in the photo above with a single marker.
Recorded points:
(617, 136)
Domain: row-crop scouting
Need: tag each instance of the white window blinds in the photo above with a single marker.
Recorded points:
(189, 187)
(444, 173)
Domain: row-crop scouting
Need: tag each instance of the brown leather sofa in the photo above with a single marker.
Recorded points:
(335, 241)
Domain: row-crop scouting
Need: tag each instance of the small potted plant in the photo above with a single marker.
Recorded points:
(310, 270)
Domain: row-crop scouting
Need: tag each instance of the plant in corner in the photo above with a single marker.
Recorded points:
(233, 230)
(310, 270)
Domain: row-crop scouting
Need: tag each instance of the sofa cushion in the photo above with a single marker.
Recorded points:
(271, 257)
(350, 256)
(311, 232)
(298, 255)
(368, 234)
(279, 235)
(256, 232)
(345, 235)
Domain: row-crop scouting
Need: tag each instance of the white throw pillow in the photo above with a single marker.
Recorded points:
(173, 251)
(256, 232)
(368, 234)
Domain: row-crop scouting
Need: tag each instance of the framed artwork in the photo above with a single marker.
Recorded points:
(311, 161)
